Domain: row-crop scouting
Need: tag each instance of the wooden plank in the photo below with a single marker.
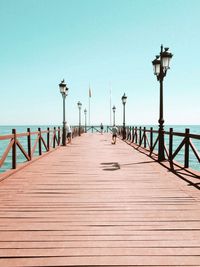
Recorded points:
(83, 252)
(103, 261)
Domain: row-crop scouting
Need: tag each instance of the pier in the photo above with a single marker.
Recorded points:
(99, 133)
(92, 203)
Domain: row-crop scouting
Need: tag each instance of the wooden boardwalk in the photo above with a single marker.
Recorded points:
(97, 204)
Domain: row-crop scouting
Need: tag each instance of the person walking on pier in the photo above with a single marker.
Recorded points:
(114, 134)
(69, 133)
(101, 127)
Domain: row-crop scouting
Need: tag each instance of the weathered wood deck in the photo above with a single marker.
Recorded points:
(93, 203)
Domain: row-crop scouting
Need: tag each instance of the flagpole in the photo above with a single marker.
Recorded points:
(110, 108)
(90, 94)
(110, 103)
(89, 110)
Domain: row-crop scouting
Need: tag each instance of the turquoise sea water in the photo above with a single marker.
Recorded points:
(4, 130)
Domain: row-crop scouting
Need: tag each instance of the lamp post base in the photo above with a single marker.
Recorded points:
(64, 136)
(124, 132)
(161, 145)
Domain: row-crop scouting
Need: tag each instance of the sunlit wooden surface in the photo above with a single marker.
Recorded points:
(97, 204)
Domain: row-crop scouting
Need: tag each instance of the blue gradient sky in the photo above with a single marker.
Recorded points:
(107, 43)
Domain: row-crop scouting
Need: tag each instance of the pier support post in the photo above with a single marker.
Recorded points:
(39, 142)
(48, 138)
(14, 150)
(187, 144)
(171, 146)
(29, 142)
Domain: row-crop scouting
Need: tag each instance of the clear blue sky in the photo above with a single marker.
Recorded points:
(107, 43)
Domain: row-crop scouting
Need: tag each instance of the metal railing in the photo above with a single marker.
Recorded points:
(97, 128)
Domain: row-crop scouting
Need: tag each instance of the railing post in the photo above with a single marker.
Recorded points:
(14, 150)
(39, 142)
(187, 143)
(130, 131)
(59, 135)
(136, 135)
(133, 128)
(54, 137)
(170, 145)
(145, 140)
(140, 136)
(151, 138)
(48, 138)
(92, 129)
(29, 142)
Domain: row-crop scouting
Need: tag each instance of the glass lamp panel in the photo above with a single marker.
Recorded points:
(124, 99)
(79, 104)
(166, 56)
(62, 89)
(156, 65)
(66, 90)
(157, 69)
(165, 62)
(154, 69)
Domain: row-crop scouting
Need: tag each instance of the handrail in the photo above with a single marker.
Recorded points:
(41, 141)
(146, 139)
(97, 128)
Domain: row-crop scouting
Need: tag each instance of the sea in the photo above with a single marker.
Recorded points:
(5, 130)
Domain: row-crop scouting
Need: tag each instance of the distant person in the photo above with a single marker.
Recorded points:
(114, 134)
(101, 127)
(69, 133)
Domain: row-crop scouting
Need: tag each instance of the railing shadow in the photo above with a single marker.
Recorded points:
(186, 174)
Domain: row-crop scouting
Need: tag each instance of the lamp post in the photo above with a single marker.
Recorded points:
(79, 107)
(161, 65)
(114, 109)
(64, 92)
(85, 112)
(124, 97)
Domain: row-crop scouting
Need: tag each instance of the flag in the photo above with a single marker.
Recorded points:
(90, 92)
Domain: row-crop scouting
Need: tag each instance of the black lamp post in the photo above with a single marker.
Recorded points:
(85, 112)
(124, 97)
(161, 65)
(114, 109)
(79, 107)
(64, 92)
